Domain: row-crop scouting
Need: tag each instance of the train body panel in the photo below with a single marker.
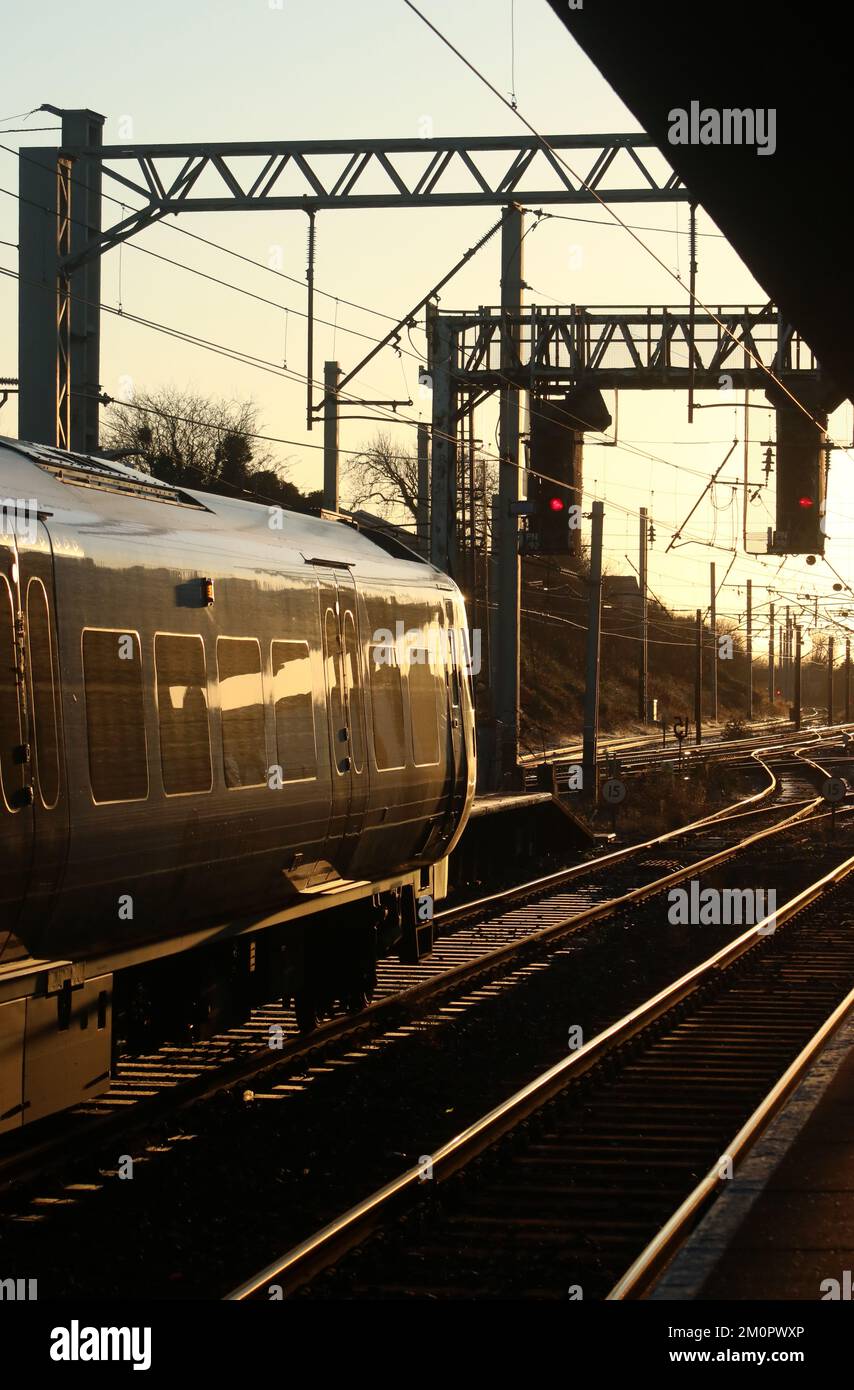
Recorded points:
(211, 712)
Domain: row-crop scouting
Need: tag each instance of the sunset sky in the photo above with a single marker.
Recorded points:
(249, 69)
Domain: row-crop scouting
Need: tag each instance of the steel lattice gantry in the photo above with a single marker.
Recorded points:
(626, 348)
(313, 175)
(537, 348)
(62, 235)
(551, 348)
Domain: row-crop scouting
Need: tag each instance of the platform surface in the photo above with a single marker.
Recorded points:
(784, 1227)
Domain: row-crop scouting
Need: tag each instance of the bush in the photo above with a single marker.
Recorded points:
(735, 728)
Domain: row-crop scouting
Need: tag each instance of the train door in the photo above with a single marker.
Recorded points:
(343, 677)
(16, 790)
(456, 661)
(44, 767)
(354, 698)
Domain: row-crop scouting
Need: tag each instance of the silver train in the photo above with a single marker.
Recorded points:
(236, 750)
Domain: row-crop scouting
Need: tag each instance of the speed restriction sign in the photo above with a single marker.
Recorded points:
(833, 789)
(614, 791)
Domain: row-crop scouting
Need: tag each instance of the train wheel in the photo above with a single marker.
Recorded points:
(305, 1008)
(356, 1001)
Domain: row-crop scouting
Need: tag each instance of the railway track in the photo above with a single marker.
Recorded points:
(488, 964)
(475, 939)
(630, 745)
(583, 1182)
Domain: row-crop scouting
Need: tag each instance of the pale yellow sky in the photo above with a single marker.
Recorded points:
(241, 69)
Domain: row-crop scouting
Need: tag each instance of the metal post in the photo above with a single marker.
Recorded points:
(84, 128)
(771, 682)
(331, 377)
(788, 689)
(443, 475)
(797, 700)
(58, 315)
(591, 685)
(692, 284)
(472, 529)
(713, 624)
(309, 338)
(63, 304)
(423, 502)
(847, 680)
(506, 663)
(698, 681)
(830, 680)
(643, 654)
(750, 648)
(38, 297)
(462, 514)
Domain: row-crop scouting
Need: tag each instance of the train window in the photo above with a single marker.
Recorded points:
(353, 679)
(424, 708)
(387, 704)
(45, 736)
(333, 678)
(11, 770)
(241, 698)
(182, 711)
(115, 717)
(293, 703)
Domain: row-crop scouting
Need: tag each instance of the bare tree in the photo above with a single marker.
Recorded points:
(384, 476)
(200, 442)
(179, 432)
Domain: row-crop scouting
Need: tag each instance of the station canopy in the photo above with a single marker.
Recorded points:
(786, 212)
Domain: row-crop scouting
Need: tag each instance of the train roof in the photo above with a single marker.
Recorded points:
(97, 504)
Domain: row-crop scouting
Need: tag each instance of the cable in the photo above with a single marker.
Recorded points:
(235, 354)
(555, 154)
(664, 231)
(249, 359)
(207, 424)
(273, 368)
(263, 365)
(217, 246)
(615, 221)
(513, 53)
(262, 299)
(227, 284)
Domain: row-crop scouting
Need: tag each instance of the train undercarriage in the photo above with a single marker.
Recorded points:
(322, 964)
(61, 1037)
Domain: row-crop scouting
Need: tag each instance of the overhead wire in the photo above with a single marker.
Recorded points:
(251, 360)
(556, 155)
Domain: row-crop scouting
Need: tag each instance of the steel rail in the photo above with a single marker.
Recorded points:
(339, 1029)
(591, 866)
(322, 1248)
(661, 1249)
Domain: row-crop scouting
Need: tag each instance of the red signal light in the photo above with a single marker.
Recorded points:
(555, 504)
(804, 501)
